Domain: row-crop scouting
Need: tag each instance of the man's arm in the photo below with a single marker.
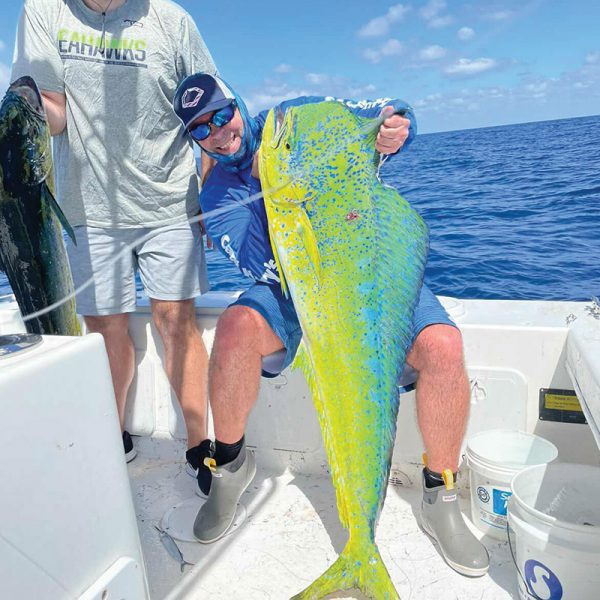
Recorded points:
(206, 166)
(56, 111)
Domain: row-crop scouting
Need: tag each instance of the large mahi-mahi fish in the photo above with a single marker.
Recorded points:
(351, 253)
(32, 251)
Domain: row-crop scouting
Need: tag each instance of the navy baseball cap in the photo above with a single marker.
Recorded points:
(199, 94)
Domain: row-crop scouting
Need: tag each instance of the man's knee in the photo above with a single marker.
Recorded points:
(108, 325)
(437, 346)
(237, 324)
(242, 325)
(174, 319)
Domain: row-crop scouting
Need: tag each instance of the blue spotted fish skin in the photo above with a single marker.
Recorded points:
(352, 253)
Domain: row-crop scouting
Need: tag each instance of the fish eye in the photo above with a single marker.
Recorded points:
(287, 146)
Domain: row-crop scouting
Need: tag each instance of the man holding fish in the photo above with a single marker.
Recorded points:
(126, 179)
(262, 331)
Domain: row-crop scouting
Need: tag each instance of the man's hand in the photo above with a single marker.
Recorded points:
(392, 133)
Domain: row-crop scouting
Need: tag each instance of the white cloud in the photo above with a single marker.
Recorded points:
(269, 93)
(440, 22)
(317, 78)
(499, 15)
(432, 8)
(361, 92)
(465, 34)
(431, 14)
(283, 68)
(391, 47)
(537, 87)
(432, 53)
(574, 93)
(268, 97)
(2, 45)
(5, 71)
(373, 56)
(466, 67)
(380, 26)
(592, 58)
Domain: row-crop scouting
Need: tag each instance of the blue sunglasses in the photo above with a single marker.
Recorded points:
(220, 118)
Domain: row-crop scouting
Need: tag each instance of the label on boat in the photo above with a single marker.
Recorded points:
(561, 406)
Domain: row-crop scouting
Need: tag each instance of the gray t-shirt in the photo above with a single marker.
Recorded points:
(122, 160)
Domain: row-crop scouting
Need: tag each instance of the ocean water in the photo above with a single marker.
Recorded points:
(513, 211)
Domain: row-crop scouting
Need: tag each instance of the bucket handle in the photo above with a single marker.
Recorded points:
(527, 588)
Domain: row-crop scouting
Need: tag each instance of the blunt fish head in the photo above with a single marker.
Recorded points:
(25, 153)
(280, 159)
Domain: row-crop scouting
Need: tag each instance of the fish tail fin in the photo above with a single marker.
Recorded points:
(359, 566)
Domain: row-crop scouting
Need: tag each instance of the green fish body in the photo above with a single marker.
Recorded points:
(351, 253)
(32, 251)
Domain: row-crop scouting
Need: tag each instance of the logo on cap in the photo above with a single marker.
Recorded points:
(191, 97)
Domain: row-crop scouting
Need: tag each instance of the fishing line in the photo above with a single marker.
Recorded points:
(141, 239)
(299, 177)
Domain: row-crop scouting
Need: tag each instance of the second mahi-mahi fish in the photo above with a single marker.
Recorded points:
(32, 251)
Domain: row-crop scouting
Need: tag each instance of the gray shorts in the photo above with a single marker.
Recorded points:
(170, 260)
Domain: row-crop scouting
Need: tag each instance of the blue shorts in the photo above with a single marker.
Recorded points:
(278, 311)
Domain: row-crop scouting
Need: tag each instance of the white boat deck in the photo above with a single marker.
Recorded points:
(76, 535)
(288, 535)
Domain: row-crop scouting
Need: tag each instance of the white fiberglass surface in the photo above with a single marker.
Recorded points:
(289, 535)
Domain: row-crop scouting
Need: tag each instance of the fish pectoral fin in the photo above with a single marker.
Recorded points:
(307, 234)
(282, 280)
(51, 200)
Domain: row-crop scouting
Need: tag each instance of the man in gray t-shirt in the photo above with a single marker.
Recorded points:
(108, 71)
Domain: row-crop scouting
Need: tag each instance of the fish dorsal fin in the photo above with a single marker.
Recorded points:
(51, 200)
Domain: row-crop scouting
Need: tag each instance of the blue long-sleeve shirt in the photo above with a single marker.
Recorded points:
(239, 227)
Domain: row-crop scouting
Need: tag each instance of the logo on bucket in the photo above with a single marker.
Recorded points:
(501, 501)
(483, 494)
(542, 583)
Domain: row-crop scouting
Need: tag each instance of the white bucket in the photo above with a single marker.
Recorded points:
(494, 458)
(554, 513)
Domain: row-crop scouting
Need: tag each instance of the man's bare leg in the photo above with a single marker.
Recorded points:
(121, 354)
(243, 337)
(186, 362)
(443, 394)
(442, 411)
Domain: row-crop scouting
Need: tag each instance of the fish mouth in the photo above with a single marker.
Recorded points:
(26, 89)
(281, 127)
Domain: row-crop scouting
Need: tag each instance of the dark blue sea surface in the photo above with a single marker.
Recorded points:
(513, 211)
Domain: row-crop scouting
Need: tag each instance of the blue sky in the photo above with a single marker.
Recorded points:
(460, 64)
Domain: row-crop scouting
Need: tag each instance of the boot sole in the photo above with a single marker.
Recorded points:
(129, 456)
(467, 571)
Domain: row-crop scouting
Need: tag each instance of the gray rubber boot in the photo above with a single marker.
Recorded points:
(442, 520)
(229, 482)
